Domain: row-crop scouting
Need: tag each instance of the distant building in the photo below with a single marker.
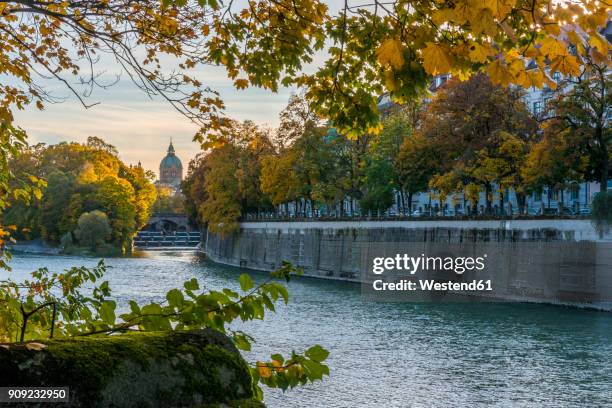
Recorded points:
(170, 170)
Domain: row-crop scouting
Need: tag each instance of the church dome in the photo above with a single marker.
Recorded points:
(171, 160)
(171, 169)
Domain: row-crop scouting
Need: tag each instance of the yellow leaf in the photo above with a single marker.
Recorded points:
(390, 53)
(241, 83)
(566, 64)
(552, 28)
(479, 53)
(531, 52)
(263, 370)
(552, 47)
(442, 16)
(436, 60)
(390, 82)
(597, 41)
(499, 73)
(536, 77)
(483, 22)
(574, 37)
(278, 366)
(499, 8)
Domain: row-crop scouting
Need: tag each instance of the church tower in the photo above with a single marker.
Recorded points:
(171, 169)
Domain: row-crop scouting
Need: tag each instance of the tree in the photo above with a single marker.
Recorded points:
(168, 202)
(378, 185)
(580, 117)
(394, 46)
(294, 120)
(473, 122)
(81, 178)
(193, 188)
(94, 229)
(416, 163)
(552, 163)
(278, 177)
(221, 209)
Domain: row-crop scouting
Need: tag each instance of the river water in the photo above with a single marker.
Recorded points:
(397, 354)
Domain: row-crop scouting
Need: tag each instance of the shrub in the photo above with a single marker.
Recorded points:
(94, 229)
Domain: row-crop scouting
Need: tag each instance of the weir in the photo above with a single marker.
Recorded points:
(162, 240)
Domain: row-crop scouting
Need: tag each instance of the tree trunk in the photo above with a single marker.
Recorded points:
(605, 170)
(409, 203)
(520, 201)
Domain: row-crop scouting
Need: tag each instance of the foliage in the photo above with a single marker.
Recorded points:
(481, 131)
(93, 229)
(224, 183)
(168, 201)
(380, 46)
(80, 178)
(54, 305)
(579, 118)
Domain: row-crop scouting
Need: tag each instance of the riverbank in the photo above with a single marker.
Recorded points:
(546, 261)
(35, 247)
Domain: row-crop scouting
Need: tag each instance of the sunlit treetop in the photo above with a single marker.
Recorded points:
(368, 48)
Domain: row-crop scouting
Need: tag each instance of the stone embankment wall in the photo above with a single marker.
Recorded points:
(552, 261)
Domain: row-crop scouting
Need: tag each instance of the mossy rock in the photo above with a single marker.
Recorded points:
(176, 369)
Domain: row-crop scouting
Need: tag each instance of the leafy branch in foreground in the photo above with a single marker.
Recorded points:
(52, 304)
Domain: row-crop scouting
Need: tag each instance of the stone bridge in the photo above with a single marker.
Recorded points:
(168, 223)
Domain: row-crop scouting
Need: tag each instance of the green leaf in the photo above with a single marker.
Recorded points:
(175, 298)
(314, 370)
(317, 353)
(107, 312)
(192, 284)
(242, 342)
(246, 282)
(134, 307)
(277, 357)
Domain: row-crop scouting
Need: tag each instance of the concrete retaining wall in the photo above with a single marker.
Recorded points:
(556, 261)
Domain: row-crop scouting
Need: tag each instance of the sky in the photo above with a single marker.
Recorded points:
(141, 128)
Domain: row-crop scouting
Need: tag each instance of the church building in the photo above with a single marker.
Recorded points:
(170, 170)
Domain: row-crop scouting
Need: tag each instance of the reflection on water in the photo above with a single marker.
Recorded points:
(398, 355)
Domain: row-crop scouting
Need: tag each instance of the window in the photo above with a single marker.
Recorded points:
(537, 107)
(575, 192)
(554, 194)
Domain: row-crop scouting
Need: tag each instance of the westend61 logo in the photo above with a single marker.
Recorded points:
(404, 265)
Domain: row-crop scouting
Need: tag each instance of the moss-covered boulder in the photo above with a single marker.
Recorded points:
(180, 369)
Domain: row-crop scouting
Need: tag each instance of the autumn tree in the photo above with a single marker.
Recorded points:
(552, 163)
(580, 116)
(81, 178)
(416, 163)
(193, 188)
(475, 122)
(295, 118)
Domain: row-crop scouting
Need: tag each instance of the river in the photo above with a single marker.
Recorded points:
(397, 354)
